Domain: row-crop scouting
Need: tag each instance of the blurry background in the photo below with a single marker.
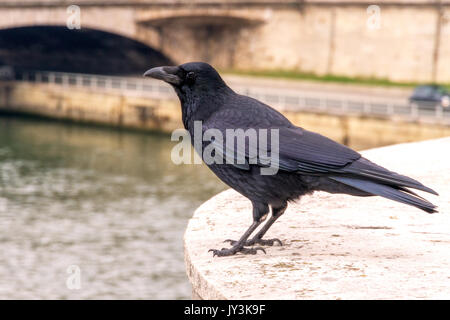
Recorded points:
(86, 178)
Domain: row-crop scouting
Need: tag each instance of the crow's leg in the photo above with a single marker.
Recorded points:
(260, 212)
(257, 239)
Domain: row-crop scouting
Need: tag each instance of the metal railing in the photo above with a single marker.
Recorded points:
(284, 100)
(125, 85)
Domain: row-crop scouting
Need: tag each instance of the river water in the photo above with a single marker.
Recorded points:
(88, 212)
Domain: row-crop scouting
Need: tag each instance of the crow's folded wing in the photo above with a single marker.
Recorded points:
(310, 153)
(298, 150)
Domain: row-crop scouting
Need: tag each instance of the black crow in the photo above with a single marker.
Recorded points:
(306, 162)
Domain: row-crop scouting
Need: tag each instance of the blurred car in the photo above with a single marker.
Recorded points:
(428, 97)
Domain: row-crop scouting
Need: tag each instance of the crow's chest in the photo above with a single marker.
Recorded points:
(270, 189)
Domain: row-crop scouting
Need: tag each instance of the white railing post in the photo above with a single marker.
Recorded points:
(304, 102)
(65, 79)
(282, 102)
(439, 113)
(51, 78)
(79, 80)
(390, 109)
(323, 104)
(344, 106)
(414, 111)
(108, 84)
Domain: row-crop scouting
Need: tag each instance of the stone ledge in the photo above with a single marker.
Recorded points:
(335, 246)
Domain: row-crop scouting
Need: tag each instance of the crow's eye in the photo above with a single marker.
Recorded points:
(190, 77)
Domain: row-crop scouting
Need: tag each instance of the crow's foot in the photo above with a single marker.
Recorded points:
(262, 242)
(235, 249)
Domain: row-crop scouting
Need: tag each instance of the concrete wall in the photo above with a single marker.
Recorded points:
(86, 106)
(118, 20)
(335, 39)
(312, 36)
(114, 109)
(318, 37)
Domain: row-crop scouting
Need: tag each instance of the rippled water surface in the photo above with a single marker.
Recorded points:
(105, 203)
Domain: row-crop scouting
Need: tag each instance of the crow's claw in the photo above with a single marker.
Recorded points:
(233, 250)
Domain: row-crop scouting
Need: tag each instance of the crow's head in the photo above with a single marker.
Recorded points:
(190, 79)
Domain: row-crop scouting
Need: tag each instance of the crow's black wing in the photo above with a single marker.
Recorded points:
(315, 154)
(306, 152)
(298, 150)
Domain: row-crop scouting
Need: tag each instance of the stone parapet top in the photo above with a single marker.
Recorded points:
(335, 246)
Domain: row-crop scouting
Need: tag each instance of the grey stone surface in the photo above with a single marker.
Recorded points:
(335, 246)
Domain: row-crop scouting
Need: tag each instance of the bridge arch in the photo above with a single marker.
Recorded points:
(183, 33)
(50, 47)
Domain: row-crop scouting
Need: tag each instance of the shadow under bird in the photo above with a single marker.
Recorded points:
(307, 161)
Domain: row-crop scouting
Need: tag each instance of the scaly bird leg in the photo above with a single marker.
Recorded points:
(260, 212)
(257, 238)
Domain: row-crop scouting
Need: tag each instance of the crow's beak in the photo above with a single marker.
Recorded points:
(167, 74)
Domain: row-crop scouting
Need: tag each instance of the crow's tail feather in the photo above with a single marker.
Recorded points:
(367, 169)
(396, 193)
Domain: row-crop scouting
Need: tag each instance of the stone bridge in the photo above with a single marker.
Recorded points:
(402, 40)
